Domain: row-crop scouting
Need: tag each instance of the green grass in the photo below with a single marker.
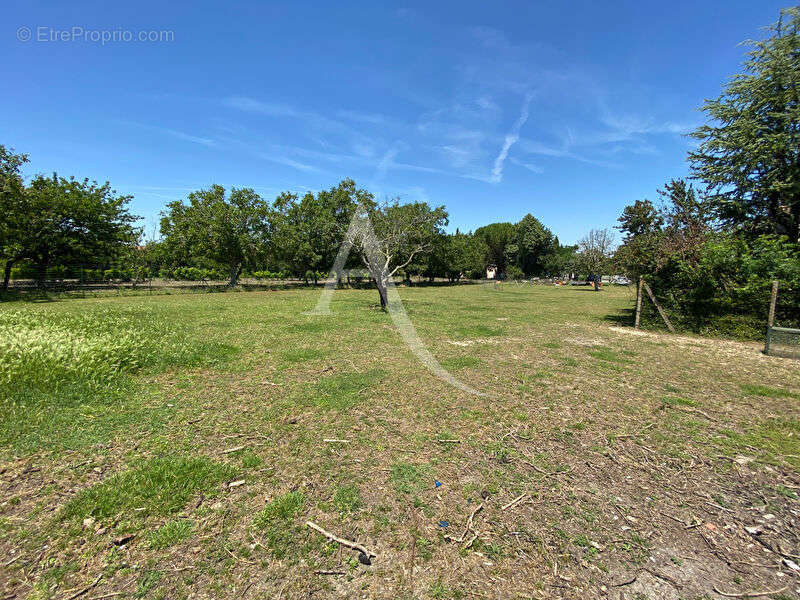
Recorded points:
(765, 391)
(461, 362)
(341, 391)
(407, 478)
(170, 534)
(608, 355)
(159, 486)
(301, 355)
(66, 375)
(678, 401)
(277, 523)
(478, 331)
(347, 499)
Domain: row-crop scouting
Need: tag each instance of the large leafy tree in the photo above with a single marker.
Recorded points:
(639, 218)
(309, 231)
(401, 232)
(497, 237)
(12, 214)
(561, 261)
(63, 221)
(595, 252)
(232, 231)
(653, 236)
(749, 154)
(534, 242)
(455, 256)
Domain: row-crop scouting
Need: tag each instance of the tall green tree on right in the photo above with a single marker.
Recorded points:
(749, 153)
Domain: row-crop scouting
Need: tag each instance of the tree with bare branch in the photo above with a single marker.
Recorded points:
(595, 252)
(390, 235)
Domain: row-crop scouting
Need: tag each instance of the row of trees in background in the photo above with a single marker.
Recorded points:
(53, 224)
(711, 255)
(301, 236)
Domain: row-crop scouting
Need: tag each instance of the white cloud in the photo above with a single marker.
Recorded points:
(511, 139)
(284, 160)
(531, 167)
(203, 141)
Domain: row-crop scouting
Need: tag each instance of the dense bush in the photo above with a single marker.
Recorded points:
(192, 274)
(269, 275)
(724, 286)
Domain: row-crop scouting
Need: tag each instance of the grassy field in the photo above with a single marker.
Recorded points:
(174, 446)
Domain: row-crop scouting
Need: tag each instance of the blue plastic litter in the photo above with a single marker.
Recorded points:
(444, 524)
(437, 483)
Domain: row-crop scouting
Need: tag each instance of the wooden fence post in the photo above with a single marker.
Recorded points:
(773, 300)
(638, 318)
(771, 317)
(658, 306)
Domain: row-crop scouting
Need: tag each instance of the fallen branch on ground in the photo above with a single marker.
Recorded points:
(81, 592)
(624, 583)
(323, 572)
(666, 578)
(338, 540)
(547, 473)
(514, 502)
(469, 524)
(748, 594)
(696, 411)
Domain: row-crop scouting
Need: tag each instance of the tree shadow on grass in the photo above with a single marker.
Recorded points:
(622, 318)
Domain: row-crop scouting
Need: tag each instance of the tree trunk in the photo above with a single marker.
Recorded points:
(41, 274)
(7, 273)
(382, 294)
(235, 270)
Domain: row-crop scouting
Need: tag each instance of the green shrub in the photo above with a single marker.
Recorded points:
(724, 286)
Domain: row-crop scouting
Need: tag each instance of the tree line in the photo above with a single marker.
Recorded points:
(54, 223)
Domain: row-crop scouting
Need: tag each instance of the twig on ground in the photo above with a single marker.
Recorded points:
(13, 560)
(234, 449)
(666, 578)
(547, 473)
(338, 540)
(335, 441)
(748, 594)
(109, 595)
(514, 502)
(469, 523)
(82, 591)
(449, 441)
(696, 411)
(470, 541)
(323, 572)
(624, 583)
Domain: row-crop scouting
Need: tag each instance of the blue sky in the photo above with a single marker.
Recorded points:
(568, 111)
